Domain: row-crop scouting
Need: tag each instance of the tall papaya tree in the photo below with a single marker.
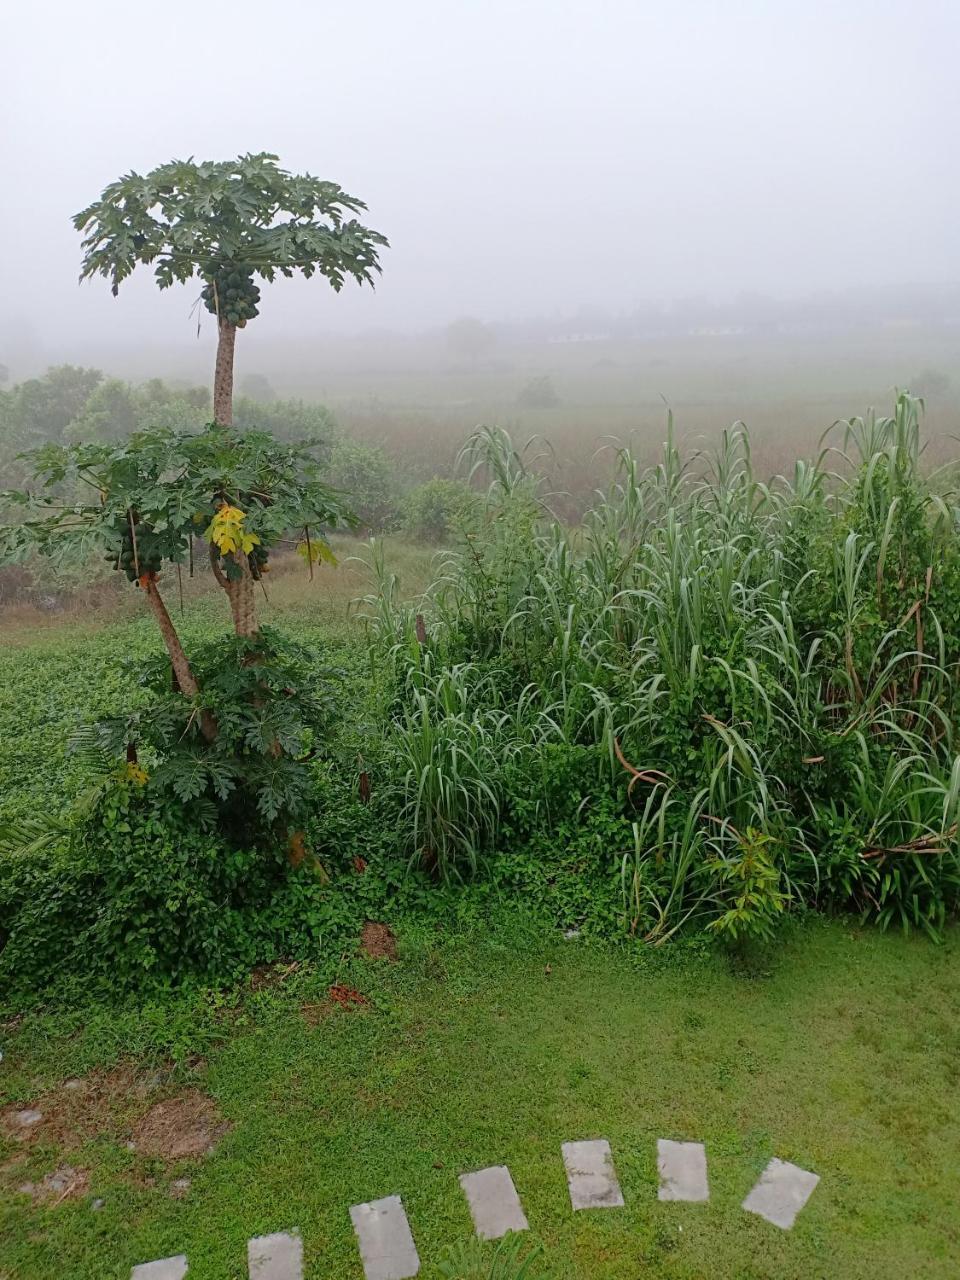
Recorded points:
(239, 726)
(227, 223)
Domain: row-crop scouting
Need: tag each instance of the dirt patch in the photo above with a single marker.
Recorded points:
(378, 941)
(347, 997)
(316, 1012)
(65, 1183)
(183, 1127)
(82, 1108)
(265, 976)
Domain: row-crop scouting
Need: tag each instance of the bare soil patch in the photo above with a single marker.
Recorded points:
(186, 1126)
(378, 941)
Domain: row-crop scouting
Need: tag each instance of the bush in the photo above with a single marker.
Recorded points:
(435, 510)
(273, 706)
(368, 478)
(538, 393)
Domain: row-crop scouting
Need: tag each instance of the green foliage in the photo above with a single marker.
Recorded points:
(438, 509)
(767, 670)
(155, 491)
(450, 755)
(511, 1258)
(273, 707)
(368, 479)
(747, 883)
(227, 222)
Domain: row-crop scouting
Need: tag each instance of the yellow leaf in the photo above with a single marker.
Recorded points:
(316, 551)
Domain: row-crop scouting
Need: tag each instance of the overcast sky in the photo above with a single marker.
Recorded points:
(523, 156)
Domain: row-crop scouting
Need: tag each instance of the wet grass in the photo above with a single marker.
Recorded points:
(838, 1051)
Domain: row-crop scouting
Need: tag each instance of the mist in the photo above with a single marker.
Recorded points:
(525, 161)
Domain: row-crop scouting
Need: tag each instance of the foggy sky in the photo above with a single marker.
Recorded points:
(523, 156)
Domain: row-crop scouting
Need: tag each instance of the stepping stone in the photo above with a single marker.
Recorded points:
(590, 1175)
(781, 1193)
(165, 1269)
(683, 1170)
(276, 1257)
(386, 1245)
(494, 1204)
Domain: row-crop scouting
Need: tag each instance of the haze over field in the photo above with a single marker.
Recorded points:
(525, 160)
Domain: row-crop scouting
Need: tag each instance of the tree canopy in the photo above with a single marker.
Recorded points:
(187, 219)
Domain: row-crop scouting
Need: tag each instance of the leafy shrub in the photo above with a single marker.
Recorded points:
(433, 511)
(538, 393)
(368, 478)
(273, 707)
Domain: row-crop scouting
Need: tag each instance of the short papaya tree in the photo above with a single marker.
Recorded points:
(144, 501)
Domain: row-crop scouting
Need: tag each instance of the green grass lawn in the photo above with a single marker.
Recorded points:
(839, 1052)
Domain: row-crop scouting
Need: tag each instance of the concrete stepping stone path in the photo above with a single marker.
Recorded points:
(781, 1193)
(590, 1175)
(275, 1257)
(683, 1170)
(387, 1248)
(164, 1269)
(494, 1204)
(386, 1245)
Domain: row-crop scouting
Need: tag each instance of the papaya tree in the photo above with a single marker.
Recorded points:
(227, 223)
(238, 725)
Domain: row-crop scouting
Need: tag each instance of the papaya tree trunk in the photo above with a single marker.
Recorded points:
(239, 592)
(178, 659)
(242, 603)
(223, 375)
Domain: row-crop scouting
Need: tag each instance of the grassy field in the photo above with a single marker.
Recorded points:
(487, 1044)
(841, 1056)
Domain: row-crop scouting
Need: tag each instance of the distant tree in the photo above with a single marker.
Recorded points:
(4, 375)
(435, 509)
(227, 223)
(256, 386)
(43, 408)
(470, 339)
(932, 384)
(538, 393)
(367, 477)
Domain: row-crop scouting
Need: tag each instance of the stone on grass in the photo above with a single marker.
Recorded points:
(781, 1193)
(27, 1118)
(683, 1170)
(275, 1257)
(590, 1175)
(164, 1269)
(494, 1204)
(386, 1245)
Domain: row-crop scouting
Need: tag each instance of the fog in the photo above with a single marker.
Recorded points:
(524, 159)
